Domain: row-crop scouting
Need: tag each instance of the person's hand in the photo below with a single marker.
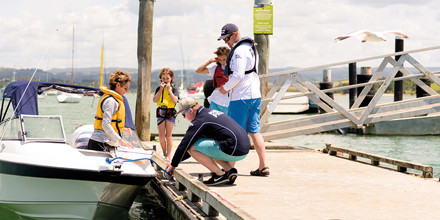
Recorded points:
(169, 171)
(213, 60)
(162, 84)
(168, 85)
(222, 90)
(128, 130)
(125, 143)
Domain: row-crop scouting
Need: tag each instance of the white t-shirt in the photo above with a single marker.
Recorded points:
(243, 86)
(216, 96)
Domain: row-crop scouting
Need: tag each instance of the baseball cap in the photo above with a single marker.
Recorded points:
(227, 30)
(185, 104)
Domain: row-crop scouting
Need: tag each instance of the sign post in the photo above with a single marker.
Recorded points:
(263, 27)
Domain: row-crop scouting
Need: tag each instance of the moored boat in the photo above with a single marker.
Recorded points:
(43, 177)
(68, 98)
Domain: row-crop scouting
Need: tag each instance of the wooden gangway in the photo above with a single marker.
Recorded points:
(337, 116)
(307, 184)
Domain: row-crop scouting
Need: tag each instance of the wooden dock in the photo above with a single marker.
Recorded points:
(307, 184)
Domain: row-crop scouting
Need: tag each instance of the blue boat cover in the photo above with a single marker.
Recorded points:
(128, 119)
(23, 94)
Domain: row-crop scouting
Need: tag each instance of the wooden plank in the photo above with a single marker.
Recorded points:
(328, 100)
(417, 81)
(278, 97)
(332, 121)
(382, 89)
(401, 165)
(367, 88)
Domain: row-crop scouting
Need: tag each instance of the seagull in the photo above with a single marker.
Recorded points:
(365, 36)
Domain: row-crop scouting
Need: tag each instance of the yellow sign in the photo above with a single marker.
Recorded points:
(263, 19)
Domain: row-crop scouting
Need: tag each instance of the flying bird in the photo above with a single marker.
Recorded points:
(365, 36)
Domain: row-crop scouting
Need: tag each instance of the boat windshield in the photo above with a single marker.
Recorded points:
(10, 129)
(43, 128)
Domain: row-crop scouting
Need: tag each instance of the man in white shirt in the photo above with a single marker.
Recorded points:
(244, 89)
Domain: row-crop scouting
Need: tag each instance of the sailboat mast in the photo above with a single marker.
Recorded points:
(102, 60)
(73, 51)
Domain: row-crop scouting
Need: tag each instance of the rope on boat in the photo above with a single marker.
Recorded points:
(109, 161)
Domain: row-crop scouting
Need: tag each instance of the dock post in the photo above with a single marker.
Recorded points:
(263, 47)
(144, 54)
(352, 81)
(326, 84)
(364, 77)
(419, 91)
(398, 85)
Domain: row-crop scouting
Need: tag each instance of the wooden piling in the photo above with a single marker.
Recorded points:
(352, 81)
(398, 85)
(364, 77)
(144, 53)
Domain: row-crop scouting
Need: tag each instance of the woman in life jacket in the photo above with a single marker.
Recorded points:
(166, 97)
(110, 114)
(217, 100)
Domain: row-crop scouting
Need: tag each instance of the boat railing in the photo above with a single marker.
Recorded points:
(355, 115)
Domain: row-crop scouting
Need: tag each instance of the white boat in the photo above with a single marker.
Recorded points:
(292, 105)
(43, 177)
(68, 98)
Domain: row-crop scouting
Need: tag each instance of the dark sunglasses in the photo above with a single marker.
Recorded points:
(228, 37)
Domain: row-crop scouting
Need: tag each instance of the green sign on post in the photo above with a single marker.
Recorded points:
(263, 19)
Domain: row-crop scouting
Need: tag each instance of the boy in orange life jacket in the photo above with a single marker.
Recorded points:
(166, 97)
(217, 100)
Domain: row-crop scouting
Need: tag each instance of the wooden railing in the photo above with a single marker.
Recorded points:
(212, 202)
(402, 166)
(354, 116)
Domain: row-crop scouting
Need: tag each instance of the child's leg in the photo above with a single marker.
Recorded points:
(169, 138)
(161, 131)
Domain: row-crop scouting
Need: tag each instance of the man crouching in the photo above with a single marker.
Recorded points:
(213, 139)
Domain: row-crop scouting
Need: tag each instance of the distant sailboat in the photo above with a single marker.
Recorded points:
(69, 97)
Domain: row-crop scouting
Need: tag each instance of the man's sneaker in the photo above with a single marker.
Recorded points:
(232, 175)
(217, 180)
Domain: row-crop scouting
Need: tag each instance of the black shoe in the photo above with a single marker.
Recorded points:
(232, 175)
(217, 180)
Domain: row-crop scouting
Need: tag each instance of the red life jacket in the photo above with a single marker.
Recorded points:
(219, 77)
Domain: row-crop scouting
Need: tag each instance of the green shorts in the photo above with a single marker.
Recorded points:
(208, 147)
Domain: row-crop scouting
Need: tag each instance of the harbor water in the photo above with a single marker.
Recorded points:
(419, 149)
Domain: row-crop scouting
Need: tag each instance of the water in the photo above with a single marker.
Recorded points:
(419, 149)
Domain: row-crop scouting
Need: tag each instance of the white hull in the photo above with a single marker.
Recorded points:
(42, 198)
(52, 180)
(69, 98)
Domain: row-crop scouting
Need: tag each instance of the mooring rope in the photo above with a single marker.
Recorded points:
(109, 161)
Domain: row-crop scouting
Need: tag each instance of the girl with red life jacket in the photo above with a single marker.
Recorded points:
(217, 100)
(166, 97)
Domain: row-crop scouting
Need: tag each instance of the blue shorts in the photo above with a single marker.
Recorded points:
(218, 107)
(159, 119)
(208, 147)
(246, 113)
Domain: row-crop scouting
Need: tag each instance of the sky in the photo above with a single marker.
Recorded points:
(38, 34)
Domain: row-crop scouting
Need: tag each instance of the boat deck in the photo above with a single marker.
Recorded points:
(307, 184)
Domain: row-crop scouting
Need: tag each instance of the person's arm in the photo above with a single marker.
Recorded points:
(158, 92)
(203, 69)
(173, 97)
